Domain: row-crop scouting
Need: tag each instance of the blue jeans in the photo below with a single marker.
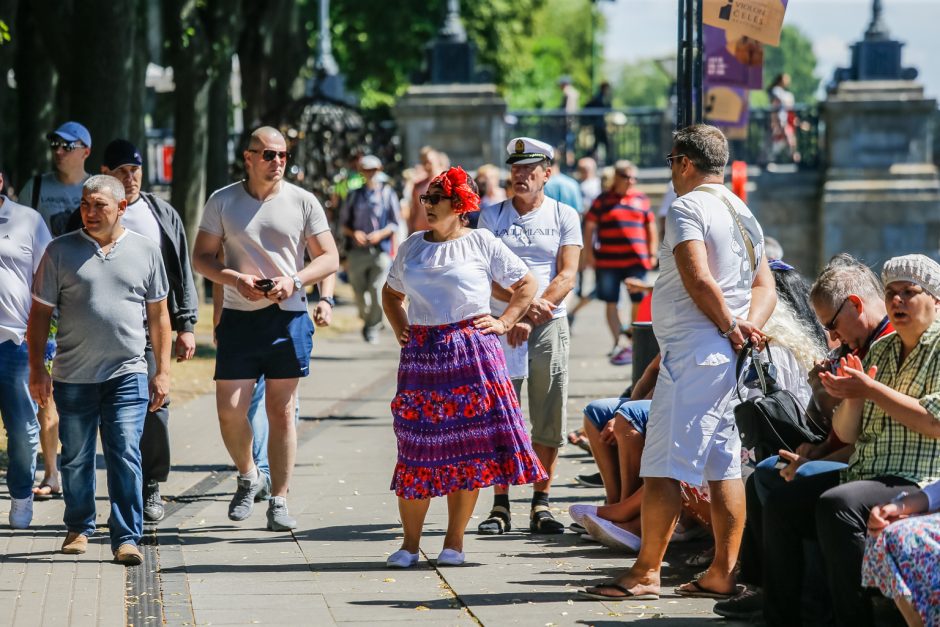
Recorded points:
(766, 477)
(118, 407)
(258, 419)
(19, 418)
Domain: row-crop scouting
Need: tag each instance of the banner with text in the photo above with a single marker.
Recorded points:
(757, 19)
(738, 62)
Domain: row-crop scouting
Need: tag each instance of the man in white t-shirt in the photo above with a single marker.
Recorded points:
(714, 292)
(23, 240)
(546, 235)
(262, 225)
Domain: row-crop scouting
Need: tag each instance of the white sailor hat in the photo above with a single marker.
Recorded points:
(525, 150)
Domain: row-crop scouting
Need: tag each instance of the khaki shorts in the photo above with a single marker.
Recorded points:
(547, 382)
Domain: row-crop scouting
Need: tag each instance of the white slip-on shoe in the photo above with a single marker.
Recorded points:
(401, 559)
(21, 512)
(578, 510)
(609, 534)
(450, 557)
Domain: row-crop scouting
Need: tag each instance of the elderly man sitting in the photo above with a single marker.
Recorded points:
(891, 412)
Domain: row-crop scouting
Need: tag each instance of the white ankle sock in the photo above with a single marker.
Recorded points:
(251, 475)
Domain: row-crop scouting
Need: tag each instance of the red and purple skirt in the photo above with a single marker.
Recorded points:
(457, 419)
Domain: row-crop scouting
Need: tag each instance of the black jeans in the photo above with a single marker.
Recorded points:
(819, 507)
(155, 440)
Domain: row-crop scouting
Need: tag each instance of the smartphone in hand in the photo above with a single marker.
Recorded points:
(265, 285)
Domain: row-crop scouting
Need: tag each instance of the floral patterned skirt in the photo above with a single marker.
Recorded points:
(904, 560)
(457, 419)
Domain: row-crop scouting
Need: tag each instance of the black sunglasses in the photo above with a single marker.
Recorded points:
(829, 327)
(671, 158)
(55, 144)
(268, 155)
(432, 199)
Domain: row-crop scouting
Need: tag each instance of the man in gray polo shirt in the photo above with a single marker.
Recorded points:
(103, 279)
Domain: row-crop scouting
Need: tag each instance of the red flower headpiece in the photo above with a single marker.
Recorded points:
(458, 186)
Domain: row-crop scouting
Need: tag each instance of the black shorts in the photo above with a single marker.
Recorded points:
(609, 281)
(270, 342)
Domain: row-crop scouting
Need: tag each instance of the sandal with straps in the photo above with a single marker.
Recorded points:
(541, 520)
(496, 523)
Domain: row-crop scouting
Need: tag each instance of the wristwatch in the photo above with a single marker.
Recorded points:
(298, 284)
(328, 300)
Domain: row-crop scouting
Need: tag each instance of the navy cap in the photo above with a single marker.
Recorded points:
(121, 152)
(72, 131)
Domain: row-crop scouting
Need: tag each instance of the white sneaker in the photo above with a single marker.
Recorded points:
(579, 510)
(21, 512)
(450, 557)
(610, 535)
(401, 559)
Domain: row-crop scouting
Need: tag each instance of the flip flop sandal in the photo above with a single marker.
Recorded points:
(626, 596)
(496, 523)
(580, 441)
(699, 591)
(541, 520)
(45, 492)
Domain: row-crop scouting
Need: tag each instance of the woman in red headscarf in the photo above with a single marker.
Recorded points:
(457, 419)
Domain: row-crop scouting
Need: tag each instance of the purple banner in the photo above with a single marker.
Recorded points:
(739, 63)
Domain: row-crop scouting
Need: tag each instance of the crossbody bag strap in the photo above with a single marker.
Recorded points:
(37, 186)
(748, 244)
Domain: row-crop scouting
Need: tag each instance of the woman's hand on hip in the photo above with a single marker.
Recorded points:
(487, 325)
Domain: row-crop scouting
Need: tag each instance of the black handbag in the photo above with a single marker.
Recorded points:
(774, 420)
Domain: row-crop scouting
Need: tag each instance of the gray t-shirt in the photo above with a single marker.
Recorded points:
(101, 301)
(264, 238)
(56, 201)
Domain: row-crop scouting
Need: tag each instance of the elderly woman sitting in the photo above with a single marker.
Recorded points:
(891, 412)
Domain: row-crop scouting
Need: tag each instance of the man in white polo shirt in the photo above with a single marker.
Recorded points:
(546, 235)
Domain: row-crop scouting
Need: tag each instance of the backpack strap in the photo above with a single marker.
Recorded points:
(37, 185)
(748, 244)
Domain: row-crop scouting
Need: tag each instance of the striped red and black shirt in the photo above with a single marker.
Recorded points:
(622, 221)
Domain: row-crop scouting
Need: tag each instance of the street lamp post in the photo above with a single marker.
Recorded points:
(689, 71)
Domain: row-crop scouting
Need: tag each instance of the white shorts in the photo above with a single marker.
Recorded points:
(691, 435)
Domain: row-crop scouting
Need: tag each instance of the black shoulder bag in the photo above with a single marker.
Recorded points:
(775, 420)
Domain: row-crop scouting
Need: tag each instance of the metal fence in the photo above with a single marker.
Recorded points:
(643, 134)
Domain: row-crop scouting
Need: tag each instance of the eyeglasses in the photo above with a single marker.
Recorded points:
(671, 158)
(55, 144)
(432, 199)
(906, 293)
(830, 326)
(268, 155)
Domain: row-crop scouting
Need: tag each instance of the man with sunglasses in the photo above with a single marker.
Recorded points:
(263, 225)
(627, 239)
(57, 194)
(546, 235)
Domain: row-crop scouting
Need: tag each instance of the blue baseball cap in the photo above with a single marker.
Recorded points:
(72, 131)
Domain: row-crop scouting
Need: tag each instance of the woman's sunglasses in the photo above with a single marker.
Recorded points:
(432, 199)
(268, 155)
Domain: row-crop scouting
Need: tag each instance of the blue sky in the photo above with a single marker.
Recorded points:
(639, 29)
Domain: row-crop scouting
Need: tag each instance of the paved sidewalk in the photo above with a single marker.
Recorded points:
(202, 568)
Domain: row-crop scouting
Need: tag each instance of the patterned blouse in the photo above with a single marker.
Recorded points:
(885, 446)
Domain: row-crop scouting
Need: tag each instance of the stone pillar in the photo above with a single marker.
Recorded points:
(464, 120)
(881, 193)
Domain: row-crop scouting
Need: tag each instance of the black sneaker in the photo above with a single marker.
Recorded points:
(153, 503)
(244, 499)
(748, 606)
(590, 481)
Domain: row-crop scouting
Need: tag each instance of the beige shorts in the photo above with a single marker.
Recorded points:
(547, 386)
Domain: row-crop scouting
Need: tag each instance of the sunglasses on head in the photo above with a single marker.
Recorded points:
(432, 199)
(269, 155)
(55, 144)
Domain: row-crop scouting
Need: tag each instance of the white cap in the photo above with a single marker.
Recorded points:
(525, 150)
(370, 162)
(918, 269)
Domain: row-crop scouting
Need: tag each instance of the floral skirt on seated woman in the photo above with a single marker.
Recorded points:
(904, 560)
(457, 419)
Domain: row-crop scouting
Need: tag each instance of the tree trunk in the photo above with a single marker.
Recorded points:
(217, 163)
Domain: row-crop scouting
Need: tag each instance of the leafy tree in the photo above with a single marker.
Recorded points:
(641, 84)
(794, 56)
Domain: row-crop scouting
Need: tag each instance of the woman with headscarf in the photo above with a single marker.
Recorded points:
(457, 419)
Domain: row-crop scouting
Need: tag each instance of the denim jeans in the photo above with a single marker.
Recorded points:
(19, 418)
(118, 407)
(258, 419)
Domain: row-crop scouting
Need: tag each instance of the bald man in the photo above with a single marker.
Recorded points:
(262, 225)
